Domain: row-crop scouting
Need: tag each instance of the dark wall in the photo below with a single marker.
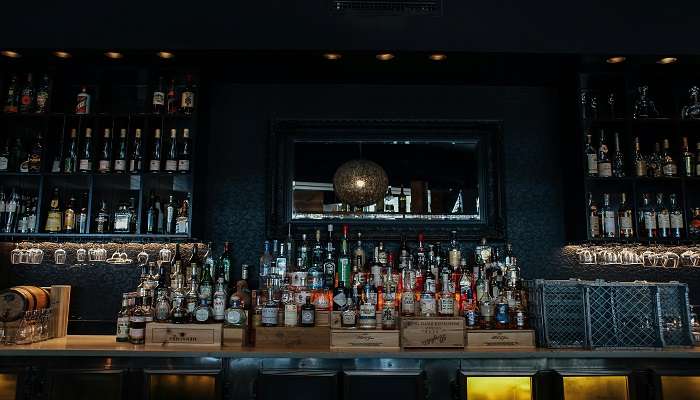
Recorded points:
(240, 115)
(494, 26)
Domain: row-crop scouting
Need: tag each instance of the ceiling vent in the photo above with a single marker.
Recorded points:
(395, 7)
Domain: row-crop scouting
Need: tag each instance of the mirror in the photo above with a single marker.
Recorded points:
(391, 177)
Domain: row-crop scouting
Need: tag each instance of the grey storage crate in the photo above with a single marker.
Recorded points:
(623, 315)
(674, 312)
(558, 313)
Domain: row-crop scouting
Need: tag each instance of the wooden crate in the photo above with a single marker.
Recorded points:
(183, 335)
(234, 337)
(445, 332)
(499, 339)
(278, 337)
(323, 318)
(365, 340)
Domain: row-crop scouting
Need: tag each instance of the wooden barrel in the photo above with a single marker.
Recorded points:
(16, 300)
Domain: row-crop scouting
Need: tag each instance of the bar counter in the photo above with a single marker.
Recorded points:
(107, 346)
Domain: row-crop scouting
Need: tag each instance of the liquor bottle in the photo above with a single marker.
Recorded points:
(280, 262)
(408, 299)
(82, 218)
(676, 217)
(11, 209)
(618, 168)
(171, 98)
(348, 317)
(389, 311)
(120, 161)
(519, 312)
(624, 216)
(5, 156)
(226, 262)
(428, 306)
(340, 297)
(219, 300)
(182, 222)
(121, 219)
(69, 221)
(655, 163)
(688, 159)
(484, 300)
(303, 261)
(171, 156)
(26, 98)
(694, 223)
(591, 157)
(85, 160)
(137, 323)
(402, 201)
(36, 155)
(269, 310)
(202, 313)
(158, 98)
(71, 159)
(644, 106)
(669, 166)
(697, 159)
(56, 164)
(647, 218)
(455, 254)
(170, 216)
(147, 307)
(42, 96)
(446, 299)
(367, 318)
(206, 284)
(593, 218)
(640, 163)
(692, 109)
(235, 314)
(308, 314)
(187, 97)
(329, 264)
(183, 162)
(82, 105)
(604, 163)
(359, 250)
(154, 165)
(266, 263)
(192, 297)
(136, 161)
(123, 321)
(291, 309)
(178, 314)
(12, 98)
(54, 215)
(105, 163)
(102, 219)
(152, 215)
(608, 217)
(663, 218)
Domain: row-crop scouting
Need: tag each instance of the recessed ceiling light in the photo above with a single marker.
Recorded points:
(438, 57)
(384, 56)
(165, 55)
(667, 60)
(114, 55)
(10, 54)
(615, 60)
(62, 54)
(332, 56)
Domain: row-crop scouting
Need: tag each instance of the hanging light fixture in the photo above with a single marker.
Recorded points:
(360, 183)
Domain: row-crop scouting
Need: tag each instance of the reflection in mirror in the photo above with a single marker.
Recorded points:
(427, 180)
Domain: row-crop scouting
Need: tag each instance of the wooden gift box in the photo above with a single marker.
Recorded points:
(280, 337)
(182, 335)
(447, 332)
(500, 339)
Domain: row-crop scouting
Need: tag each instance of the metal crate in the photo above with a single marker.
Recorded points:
(558, 311)
(623, 315)
(674, 312)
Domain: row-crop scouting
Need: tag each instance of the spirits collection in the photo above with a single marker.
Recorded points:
(370, 286)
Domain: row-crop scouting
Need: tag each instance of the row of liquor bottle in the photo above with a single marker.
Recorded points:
(645, 106)
(654, 220)
(18, 214)
(426, 281)
(25, 97)
(128, 155)
(600, 163)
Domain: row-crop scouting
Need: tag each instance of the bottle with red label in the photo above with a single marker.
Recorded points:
(26, 99)
(82, 105)
(12, 99)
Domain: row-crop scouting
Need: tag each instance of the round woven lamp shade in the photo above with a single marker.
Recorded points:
(360, 183)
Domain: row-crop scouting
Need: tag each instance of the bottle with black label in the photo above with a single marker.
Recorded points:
(308, 314)
(85, 161)
(105, 163)
(120, 161)
(154, 165)
(171, 157)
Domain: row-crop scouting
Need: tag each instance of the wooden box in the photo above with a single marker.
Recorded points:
(234, 337)
(178, 335)
(323, 318)
(432, 332)
(365, 340)
(278, 337)
(500, 339)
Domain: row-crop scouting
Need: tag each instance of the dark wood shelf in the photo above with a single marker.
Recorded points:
(93, 236)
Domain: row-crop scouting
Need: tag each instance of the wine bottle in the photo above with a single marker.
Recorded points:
(158, 98)
(183, 162)
(120, 161)
(136, 163)
(85, 161)
(171, 160)
(154, 165)
(105, 164)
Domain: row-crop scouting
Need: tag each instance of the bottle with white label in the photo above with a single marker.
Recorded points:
(85, 160)
(183, 162)
(291, 312)
(171, 157)
(676, 217)
(624, 216)
(120, 160)
(609, 218)
(137, 324)
(647, 218)
(123, 321)
(154, 165)
(5, 155)
(591, 157)
(219, 302)
(105, 163)
(663, 218)
(269, 311)
(593, 218)
(604, 162)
